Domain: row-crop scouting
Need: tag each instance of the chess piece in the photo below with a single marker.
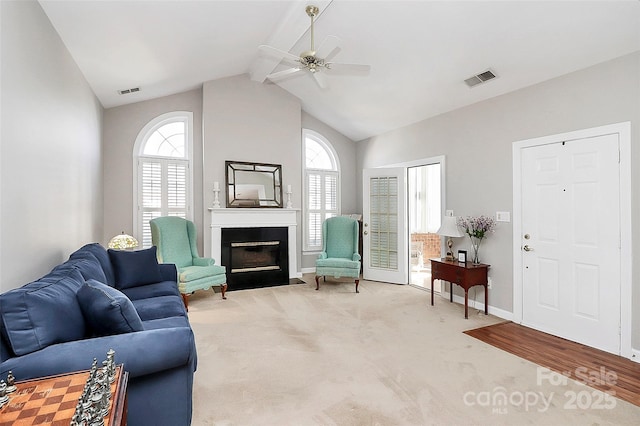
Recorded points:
(111, 363)
(11, 383)
(3, 393)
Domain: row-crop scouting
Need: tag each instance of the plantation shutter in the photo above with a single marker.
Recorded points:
(177, 189)
(314, 200)
(164, 184)
(322, 203)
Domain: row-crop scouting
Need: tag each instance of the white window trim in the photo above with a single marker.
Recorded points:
(308, 133)
(138, 147)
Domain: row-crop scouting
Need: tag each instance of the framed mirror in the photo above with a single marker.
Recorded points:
(256, 185)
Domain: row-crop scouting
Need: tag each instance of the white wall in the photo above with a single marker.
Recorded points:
(121, 127)
(477, 142)
(51, 158)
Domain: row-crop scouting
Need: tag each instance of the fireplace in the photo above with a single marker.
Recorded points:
(222, 218)
(255, 257)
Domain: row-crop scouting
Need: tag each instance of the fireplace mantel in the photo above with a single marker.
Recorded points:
(255, 218)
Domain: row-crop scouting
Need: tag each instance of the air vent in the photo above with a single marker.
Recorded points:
(127, 91)
(480, 78)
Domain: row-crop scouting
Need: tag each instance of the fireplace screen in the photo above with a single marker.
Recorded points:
(255, 256)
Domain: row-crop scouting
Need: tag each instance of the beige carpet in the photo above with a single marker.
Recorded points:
(291, 355)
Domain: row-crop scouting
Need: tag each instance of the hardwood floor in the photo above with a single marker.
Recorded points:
(598, 369)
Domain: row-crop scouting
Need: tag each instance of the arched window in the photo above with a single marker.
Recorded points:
(321, 186)
(162, 171)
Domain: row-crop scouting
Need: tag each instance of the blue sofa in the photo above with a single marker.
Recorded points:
(97, 300)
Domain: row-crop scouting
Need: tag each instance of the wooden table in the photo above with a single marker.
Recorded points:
(466, 275)
(52, 400)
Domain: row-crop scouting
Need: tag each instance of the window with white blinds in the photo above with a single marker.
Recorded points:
(163, 172)
(322, 176)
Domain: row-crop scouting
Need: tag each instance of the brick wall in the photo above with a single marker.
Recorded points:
(430, 245)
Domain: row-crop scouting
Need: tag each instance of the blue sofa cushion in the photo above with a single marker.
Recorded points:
(162, 288)
(135, 268)
(106, 310)
(43, 313)
(88, 265)
(169, 322)
(103, 257)
(160, 307)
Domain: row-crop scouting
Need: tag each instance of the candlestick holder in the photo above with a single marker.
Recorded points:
(289, 204)
(216, 200)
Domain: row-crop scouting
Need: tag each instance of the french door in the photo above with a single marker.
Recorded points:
(384, 231)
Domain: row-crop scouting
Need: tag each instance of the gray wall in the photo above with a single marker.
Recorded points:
(346, 150)
(121, 127)
(477, 142)
(234, 119)
(248, 121)
(51, 157)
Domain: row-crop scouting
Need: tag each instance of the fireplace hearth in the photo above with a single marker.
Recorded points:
(255, 257)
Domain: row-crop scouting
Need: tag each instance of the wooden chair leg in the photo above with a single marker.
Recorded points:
(185, 300)
(223, 290)
(317, 283)
(357, 282)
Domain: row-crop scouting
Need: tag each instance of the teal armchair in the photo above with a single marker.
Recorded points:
(175, 239)
(339, 257)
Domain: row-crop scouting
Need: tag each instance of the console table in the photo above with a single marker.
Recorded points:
(466, 275)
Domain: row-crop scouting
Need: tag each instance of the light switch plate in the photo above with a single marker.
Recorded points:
(503, 216)
(448, 213)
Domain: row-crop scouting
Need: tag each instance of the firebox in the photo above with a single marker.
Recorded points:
(255, 257)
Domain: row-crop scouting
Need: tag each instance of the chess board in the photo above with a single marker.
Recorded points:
(52, 400)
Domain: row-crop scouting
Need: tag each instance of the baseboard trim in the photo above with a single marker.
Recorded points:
(635, 355)
(474, 304)
(308, 270)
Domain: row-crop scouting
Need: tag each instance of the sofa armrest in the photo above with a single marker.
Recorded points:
(322, 255)
(142, 353)
(168, 271)
(203, 261)
(356, 257)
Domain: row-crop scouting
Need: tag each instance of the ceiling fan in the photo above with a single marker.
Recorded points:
(316, 62)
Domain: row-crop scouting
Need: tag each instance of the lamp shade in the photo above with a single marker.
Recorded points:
(449, 227)
(123, 242)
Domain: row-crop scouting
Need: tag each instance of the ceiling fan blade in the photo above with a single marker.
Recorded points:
(281, 54)
(329, 48)
(283, 74)
(350, 69)
(321, 80)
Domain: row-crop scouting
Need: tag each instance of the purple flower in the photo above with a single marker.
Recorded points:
(477, 227)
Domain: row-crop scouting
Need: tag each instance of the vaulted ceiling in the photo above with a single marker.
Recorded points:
(420, 52)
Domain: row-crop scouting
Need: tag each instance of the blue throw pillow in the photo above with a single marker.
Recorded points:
(135, 268)
(106, 310)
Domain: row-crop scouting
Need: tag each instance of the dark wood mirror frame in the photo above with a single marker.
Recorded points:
(253, 185)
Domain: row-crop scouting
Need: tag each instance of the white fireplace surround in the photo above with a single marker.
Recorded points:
(255, 218)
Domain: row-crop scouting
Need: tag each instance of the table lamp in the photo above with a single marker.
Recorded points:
(123, 242)
(449, 229)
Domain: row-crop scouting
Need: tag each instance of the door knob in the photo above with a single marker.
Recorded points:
(527, 248)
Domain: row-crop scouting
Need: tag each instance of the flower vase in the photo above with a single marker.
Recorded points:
(475, 244)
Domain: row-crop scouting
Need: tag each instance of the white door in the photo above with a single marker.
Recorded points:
(384, 234)
(571, 240)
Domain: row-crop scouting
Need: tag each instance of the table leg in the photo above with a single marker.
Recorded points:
(486, 299)
(451, 292)
(466, 304)
(431, 289)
